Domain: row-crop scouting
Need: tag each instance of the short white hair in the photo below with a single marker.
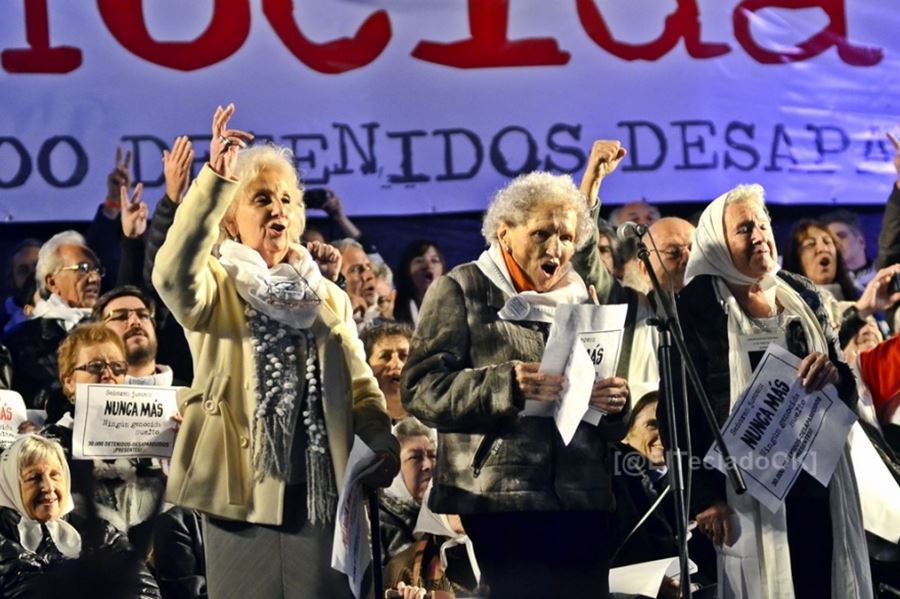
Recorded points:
(48, 256)
(515, 202)
(346, 242)
(752, 193)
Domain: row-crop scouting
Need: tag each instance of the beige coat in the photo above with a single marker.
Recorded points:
(211, 467)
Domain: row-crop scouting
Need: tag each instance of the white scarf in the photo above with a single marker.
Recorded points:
(759, 565)
(56, 307)
(162, 377)
(64, 535)
(286, 292)
(530, 305)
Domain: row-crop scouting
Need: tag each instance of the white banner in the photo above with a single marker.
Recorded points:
(416, 106)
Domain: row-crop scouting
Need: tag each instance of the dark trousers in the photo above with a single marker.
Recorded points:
(541, 555)
(809, 538)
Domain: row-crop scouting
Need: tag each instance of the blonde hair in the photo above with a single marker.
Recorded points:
(86, 334)
(514, 203)
(256, 159)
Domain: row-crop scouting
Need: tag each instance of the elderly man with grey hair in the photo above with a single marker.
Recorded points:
(68, 276)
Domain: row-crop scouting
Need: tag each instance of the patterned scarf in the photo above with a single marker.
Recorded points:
(282, 397)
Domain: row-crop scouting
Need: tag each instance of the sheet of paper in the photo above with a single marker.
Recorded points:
(579, 331)
(645, 578)
(123, 421)
(776, 429)
(879, 494)
(12, 414)
(351, 552)
(576, 393)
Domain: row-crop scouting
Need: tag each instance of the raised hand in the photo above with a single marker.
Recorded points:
(876, 296)
(119, 176)
(606, 154)
(327, 257)
(177, 168)
(225, 143)
(134, 212)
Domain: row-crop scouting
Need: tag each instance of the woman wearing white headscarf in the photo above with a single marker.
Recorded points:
(814, 546)
(37, 530)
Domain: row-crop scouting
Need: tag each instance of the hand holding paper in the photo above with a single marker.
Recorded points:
(536, 385)
(610, 394)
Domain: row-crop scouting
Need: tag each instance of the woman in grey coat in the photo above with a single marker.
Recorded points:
(537, 510)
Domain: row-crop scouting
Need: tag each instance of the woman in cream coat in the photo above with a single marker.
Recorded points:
(281, 383)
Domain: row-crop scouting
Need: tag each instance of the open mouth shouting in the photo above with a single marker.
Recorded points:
(550, 268)
(277, 229)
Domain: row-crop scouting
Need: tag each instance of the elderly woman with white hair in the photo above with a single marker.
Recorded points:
(39, 533)
(281, 385)
(537, 510)
(735, 303)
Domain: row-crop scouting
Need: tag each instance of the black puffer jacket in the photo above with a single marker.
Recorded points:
(33, 346)
(108, 568)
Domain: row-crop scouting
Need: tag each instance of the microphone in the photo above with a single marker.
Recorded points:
(629, 230)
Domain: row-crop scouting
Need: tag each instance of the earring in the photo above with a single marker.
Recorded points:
(508, 249)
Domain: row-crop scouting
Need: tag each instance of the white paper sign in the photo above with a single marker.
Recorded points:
(776, 429)
(350, 551)
(580, 331)
(12, 414)
(879, 494)
(123, 421)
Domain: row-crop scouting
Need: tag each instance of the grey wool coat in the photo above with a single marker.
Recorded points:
(460, 379)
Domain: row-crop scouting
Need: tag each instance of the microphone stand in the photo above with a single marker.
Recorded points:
(669, 331)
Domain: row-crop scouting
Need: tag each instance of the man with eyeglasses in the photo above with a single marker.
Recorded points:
(129, 312)
(357, 270)
(68, 276)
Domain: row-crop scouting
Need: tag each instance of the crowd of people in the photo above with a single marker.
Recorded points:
(286, 346)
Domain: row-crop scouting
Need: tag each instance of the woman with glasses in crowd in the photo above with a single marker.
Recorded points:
(126, 491)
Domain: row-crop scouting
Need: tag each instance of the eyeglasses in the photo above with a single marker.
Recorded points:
(96, 367)
(675, 252)
(84, 268)
(123, 314)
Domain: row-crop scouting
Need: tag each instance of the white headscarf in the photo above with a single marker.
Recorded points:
(64, 535)
(759, 564)
(709, 252)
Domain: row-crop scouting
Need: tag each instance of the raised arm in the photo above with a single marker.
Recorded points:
(182, 274)
(604, 159)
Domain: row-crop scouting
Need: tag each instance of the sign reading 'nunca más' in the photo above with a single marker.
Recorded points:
(407, 106)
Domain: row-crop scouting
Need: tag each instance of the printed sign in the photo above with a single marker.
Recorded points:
(123, 421)
(777, 428)
(12, 414)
